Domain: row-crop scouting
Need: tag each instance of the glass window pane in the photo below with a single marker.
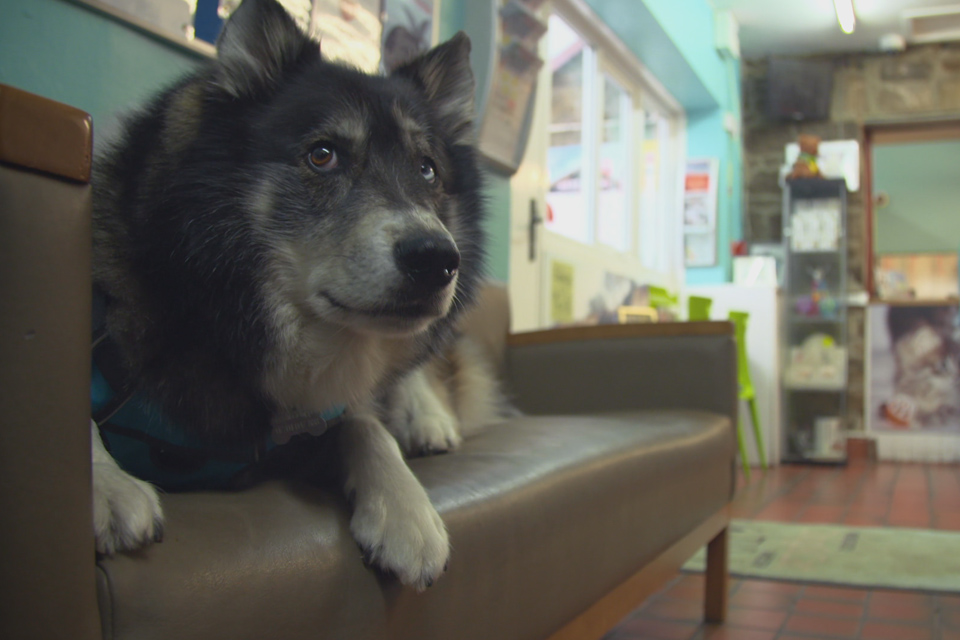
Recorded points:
(566, 200)
(613, 198)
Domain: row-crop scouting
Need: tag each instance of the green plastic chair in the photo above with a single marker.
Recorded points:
(660, 298)
(747, 392)
(698, 308)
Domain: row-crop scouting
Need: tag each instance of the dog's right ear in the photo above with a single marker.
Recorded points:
(445, 76)
(258, 43)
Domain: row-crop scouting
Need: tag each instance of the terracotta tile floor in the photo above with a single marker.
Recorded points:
(926, 496)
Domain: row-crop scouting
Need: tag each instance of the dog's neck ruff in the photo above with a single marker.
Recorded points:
(148, 445)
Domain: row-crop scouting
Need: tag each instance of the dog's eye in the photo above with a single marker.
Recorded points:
(428, 170)
(323, 157)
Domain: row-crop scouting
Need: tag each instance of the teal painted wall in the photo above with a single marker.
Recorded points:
(451, 17)
(497, 186)
(74, 54)
(923, 182)
(690, 26)
(655, 31)
(707, 136)
(497, 226)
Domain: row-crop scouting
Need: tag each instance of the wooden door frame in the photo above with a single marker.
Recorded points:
(893, 133)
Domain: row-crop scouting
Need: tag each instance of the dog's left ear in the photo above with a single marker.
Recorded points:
(445, 75)
(259, 42)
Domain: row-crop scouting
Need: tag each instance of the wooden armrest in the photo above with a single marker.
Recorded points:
(614, 331)
(40, 134)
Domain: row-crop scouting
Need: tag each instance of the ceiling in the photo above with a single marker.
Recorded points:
(789, 27)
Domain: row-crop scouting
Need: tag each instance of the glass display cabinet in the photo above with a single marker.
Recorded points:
(814, 337)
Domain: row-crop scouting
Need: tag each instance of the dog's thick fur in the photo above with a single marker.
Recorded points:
(248, 232)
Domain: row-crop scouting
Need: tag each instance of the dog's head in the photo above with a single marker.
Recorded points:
(363, 189)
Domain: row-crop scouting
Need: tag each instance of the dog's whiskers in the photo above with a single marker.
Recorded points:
(459, 303)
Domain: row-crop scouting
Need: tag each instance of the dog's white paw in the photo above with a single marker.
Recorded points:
(393, 521)
(419, 420)
(403, 534)
(126, 510)
(431, 432)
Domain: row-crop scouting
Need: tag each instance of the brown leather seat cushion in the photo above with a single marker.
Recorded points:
(546, 514)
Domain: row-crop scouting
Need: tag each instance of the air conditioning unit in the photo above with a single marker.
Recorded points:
(932, 24)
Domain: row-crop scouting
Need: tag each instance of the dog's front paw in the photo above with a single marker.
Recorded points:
(419, 420)
(126, 511)
(405, 537)
(432, 432)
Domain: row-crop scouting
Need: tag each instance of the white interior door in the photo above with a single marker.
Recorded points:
(528, 190)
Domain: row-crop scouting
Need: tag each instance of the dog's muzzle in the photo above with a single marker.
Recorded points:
(430, 261)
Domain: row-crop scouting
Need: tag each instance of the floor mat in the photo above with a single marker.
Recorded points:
(889, 557)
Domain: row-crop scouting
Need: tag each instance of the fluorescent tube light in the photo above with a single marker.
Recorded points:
(845, 15)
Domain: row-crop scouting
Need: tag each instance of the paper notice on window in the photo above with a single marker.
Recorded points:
(561, 292)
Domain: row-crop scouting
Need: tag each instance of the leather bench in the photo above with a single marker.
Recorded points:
(561, 521)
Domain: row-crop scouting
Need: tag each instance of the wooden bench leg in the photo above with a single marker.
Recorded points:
(715, 603)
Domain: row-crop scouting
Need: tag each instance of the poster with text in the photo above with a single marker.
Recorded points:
(700, 212)
(700, 195)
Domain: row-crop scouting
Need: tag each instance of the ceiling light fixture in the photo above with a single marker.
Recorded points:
(845, 15)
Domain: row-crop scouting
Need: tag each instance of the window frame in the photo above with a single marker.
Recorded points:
(629, 112)
(611, 56)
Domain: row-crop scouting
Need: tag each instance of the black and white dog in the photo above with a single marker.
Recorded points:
(280, 243)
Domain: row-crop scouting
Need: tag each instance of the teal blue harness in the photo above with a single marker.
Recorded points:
(146, 444)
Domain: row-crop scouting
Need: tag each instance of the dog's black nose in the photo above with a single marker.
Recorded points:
(429, 260)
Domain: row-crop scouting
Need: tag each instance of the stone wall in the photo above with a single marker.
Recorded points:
(922, 83)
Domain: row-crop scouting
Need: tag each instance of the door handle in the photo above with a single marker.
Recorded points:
(535, 219)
